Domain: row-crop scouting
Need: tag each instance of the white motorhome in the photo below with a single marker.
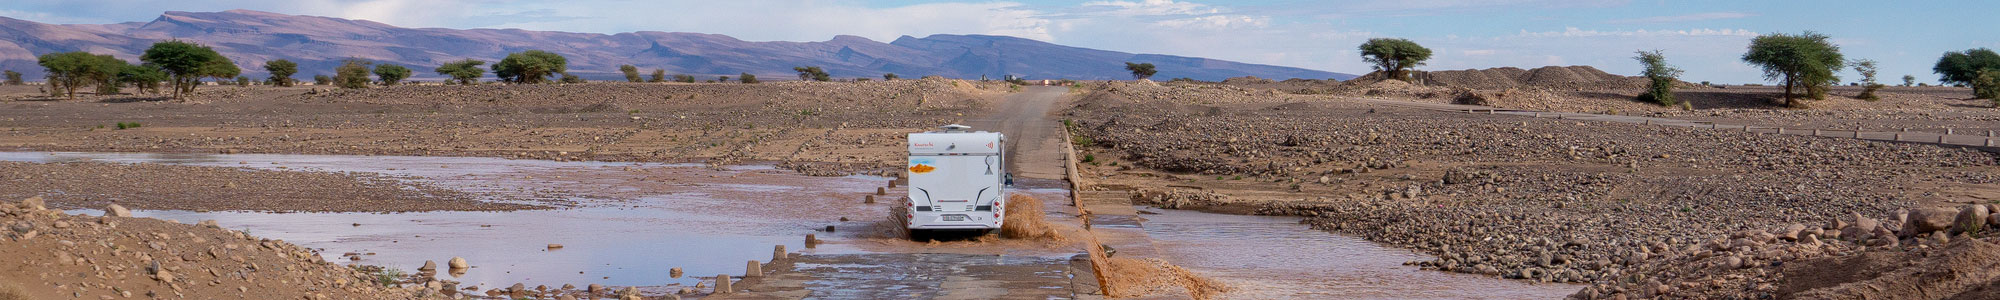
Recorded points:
(957, 180)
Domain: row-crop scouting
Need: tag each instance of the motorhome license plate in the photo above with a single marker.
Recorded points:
(954, 218)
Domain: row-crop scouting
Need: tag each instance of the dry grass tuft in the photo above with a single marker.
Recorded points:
(1026, 221)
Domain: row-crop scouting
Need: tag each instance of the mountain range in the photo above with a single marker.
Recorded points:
(318, 44)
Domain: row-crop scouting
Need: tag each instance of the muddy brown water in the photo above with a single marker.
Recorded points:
(627, 224)
(1264, 257)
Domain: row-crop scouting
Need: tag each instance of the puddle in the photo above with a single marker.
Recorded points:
(630, 223)
(1264, 257)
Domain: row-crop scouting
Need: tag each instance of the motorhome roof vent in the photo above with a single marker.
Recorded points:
(954, 128)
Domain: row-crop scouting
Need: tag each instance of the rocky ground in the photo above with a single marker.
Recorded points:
(828, 128)
(72, 185)
(52, 255)
(1536, 199)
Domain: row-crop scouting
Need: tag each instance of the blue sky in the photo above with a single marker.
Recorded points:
(1704, 37)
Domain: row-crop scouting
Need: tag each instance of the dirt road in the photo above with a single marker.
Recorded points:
(1033, 144)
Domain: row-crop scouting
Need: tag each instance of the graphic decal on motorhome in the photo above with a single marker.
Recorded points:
(922, 165)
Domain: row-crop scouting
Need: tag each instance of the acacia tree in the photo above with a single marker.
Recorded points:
(68, 71)
(1662, 76)
(890, 76)
(13, 78)
(391, 74)
(659, 75)
(631, 72)
(1964, 67)
(187, 63)
(1868, 85)
(746, 77)
(1141, 71)
(1803, 62)
(532, 66)
(1987, 85)
(352, 74)
(1909, 80)
(281, 71)
(813, 74)
(145, 78)
(464, 72)
(1394, 56)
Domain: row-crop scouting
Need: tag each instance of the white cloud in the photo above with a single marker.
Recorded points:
(1217, 22)
(1574, 32)
(1480, 52)
(1685, 18)
(1151, 8)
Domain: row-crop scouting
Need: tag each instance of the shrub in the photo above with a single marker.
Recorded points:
(721, 79)
(631, 72)
(13, 78)
(142, 77)
(391, 73)
(352, 74)
(464, 72)
(1909, 80)
(1141, 71)
(1804, 61)
(1867, 69)
(127, 125)
(532, 66)
(1987, 85)
(242, 81)
(746, 78)
(1394, 56)
(569, 78)
(659, 75)
(322, 80)
(1660, 89)
(684, 78)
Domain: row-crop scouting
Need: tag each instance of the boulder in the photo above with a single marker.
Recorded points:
(1927, 220)
(429, 266)
(115, 210)
(1860, 230)
(458, 263)
(1971, 218)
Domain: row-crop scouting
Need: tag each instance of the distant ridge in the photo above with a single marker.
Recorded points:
(319, 43)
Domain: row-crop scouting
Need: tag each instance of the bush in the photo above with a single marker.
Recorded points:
(1987, 85)
(1867, 69)
(142, 77)
(391, 73)
(631, 72)
(1805, 61)
(659, 75)
(127, 125)
(890, 76)
(746, 78)
(322, 80)
(1394, 56)
(464, 72)
(721, 79)
(13, 78)
(684, 78)
(568, 78)
(352, 74)
(243, 81)
(1909, 80)
(1660, 89)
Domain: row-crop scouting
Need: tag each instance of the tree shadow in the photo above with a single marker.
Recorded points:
(1731, 100)
(135, 99)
